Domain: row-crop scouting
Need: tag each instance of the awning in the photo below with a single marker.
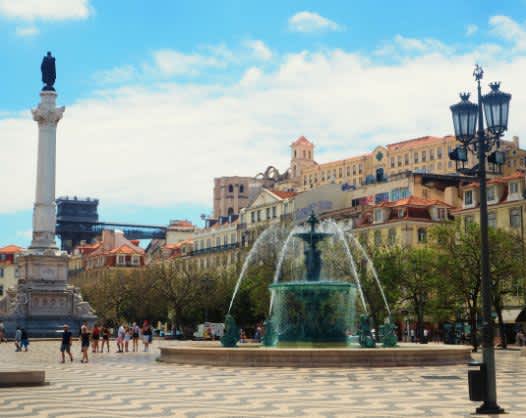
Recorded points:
(510, 316)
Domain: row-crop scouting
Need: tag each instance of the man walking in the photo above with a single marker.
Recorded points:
(18, 339)
(65, 346)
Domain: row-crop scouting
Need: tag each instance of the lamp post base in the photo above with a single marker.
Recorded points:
(489, 408)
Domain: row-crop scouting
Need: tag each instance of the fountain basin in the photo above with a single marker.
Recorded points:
(312, 312)
(254, 355)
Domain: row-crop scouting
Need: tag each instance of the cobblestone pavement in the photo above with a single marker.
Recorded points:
(134, 385)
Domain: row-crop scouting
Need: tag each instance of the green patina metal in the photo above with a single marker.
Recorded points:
(270, 338)
(231, 335)
(364, 332)
(388, 335)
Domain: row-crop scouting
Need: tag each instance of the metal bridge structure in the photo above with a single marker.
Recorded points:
(78, 221)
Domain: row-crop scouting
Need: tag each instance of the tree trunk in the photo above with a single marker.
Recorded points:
(473, 321)
(502, 328)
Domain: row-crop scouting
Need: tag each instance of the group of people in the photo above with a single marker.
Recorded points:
(94, 336)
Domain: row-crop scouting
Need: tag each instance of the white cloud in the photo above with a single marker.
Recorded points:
(259, 50)
(402, 45)
(45, 9)
(169, 62)
(312, 22)
(26, 31)
(471, 29)
(116, 75)
(508, 29)
(163, 144)
(251, 76)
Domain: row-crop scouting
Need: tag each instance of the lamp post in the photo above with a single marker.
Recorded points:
(473, 137)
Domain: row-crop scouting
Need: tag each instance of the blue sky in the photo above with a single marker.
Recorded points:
(163, 96)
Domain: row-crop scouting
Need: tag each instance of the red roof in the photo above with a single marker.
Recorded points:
(416, 142)
(126, 249)
(178, 245)
(498, 180)
(182, 223)
(11, 249)
(302, 141)
(413, 201)
(283, 195)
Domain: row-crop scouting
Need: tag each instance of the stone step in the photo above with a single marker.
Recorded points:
(10, 378)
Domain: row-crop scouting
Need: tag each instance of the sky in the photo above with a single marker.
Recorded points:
(161, 97)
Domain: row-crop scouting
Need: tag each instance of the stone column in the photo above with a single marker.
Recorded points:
(44, 212)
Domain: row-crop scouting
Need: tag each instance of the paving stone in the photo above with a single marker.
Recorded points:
(135, 385)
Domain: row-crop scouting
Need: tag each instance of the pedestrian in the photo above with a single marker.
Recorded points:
(84, 341)
(105, 338)
(135, 337)
(121, 332)
(412, 333)
(146, 335)
(2, 333)
(24, 339)
(127, 337)
(18, 339)
(65, 346)
(95, 337)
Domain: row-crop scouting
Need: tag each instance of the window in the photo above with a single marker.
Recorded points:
(233, 239)
(468, 197)
(415, 157)
(218, 241)
(230, 211)
(392, 162)
(441, 213)
(377, 237)
(208, 243)
(449, 164)
(310, 155)
(340, 172)
(423, 156)
(241, 188)
(360, 168)
(391, 236)
(399, 159)
(422, 235)
(439, 153)
(267, 213)
(1, 272)
(135, 260)
(121, 260)
(406, 159)
(491, 196)
(378, 215)
(348, 171)
(274, 214)
(252, 217)
(259, 215)
(515, 218)
(492, 220)
(514, 187)
(323, 176)
(304, 154)
(230, 188)
(431, 154)
(353, 170)
(401, 213)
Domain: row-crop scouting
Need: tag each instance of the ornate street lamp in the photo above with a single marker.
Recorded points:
(465, 118)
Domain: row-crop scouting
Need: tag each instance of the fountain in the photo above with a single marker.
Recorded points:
(311, 317)
(312, 311)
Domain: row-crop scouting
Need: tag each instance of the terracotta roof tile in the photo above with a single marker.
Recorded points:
(281, 194)
(417, 142)
(126, 249)
(412, 201)
(302, 141)
(11, 249)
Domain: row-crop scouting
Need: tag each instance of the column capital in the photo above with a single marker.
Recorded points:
(47, 113)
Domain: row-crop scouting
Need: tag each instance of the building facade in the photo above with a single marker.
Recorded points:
(8, 268)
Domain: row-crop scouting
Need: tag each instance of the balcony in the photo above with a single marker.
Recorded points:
(216, 249)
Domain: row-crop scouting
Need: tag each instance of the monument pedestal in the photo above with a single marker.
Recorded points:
(43, 301)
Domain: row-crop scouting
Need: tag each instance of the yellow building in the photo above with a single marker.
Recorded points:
(506, 203)
(427, 154)
(8, 268)
(404, 222)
